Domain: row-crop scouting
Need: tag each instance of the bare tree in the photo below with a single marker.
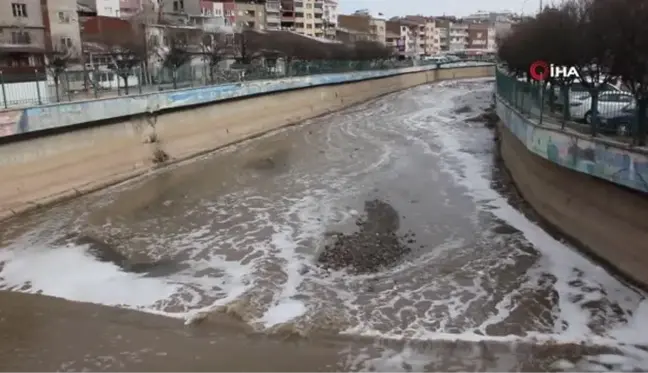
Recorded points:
(178, 53)
(57, 61)
(629, 52)
(216, 47)
(593, 60)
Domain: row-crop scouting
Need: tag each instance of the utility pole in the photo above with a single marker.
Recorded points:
(540, 11)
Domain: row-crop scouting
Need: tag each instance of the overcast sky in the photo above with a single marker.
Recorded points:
(438, 7)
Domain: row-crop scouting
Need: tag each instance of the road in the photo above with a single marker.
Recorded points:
(389, 224)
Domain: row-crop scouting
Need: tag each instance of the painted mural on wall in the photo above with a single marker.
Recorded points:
(45, 117)
(11, 122)
(617, 164)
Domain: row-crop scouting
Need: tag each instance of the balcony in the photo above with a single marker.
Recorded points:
(273, 8)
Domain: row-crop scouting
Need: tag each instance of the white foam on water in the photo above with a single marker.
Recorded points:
(283, 312)
(560, 259)
(70, 272)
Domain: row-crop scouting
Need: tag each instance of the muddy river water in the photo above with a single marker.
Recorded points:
(387, 223)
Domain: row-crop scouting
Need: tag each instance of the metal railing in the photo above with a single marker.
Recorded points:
(572, 107)
(103, 82)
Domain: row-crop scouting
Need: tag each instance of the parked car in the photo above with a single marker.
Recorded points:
(611, 103)
(621, 124)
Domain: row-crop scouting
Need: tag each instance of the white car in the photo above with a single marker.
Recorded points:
(610, 103)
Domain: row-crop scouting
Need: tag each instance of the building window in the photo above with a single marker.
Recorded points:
(20, 38)
(64, 17)
(19, 10)
(66, 42)
(178, 5)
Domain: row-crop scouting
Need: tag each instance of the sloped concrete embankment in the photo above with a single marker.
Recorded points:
(606, 220)
(51, 168)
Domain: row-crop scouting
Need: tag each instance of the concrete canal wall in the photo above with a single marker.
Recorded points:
(594, 191)
(58, 151)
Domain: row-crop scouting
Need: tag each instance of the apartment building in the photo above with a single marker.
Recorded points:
(330, 18)
(104, 8)
(393, 37)
(354, 28)
(477, 36)
(412, 32)
(23, 39)
(425, 34)
(377, 24)
(129, 8)
(288, 15)
(442, 35)
(318, 17)
(23, 43)
(489, 17)
(273, 14)
(62, 24)
(309, 17)
(458, 36)
(250, 14)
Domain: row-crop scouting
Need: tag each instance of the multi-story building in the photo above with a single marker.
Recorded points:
(491, 43)
(273, 14)
(426, 34)
(288, 15)
(308, 17)
(318, 18)
(250, 14)
(377, 24)
(23, 44)
(107, 8)
(354, 28)
(490, 17)
(458, 36)
(477, 36)
(441, 35)
(229, 10)
(330, 18)
(128, 8)
(393, 37)
(119, 8)
(62, 26)
(412, 31)
(22, 34)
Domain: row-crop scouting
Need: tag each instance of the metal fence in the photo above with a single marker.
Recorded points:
(73, 85)
(572, 107)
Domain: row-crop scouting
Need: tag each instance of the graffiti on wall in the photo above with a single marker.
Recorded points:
(12, 122)
(617, 164)
(73, 113)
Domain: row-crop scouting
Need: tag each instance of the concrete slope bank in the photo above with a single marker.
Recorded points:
(50, 168)
(608, 220)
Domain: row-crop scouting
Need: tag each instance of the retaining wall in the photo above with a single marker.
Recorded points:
(591, 190)
(178, 125)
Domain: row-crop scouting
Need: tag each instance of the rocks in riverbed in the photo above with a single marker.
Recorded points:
(488, 117)
(374, 247)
